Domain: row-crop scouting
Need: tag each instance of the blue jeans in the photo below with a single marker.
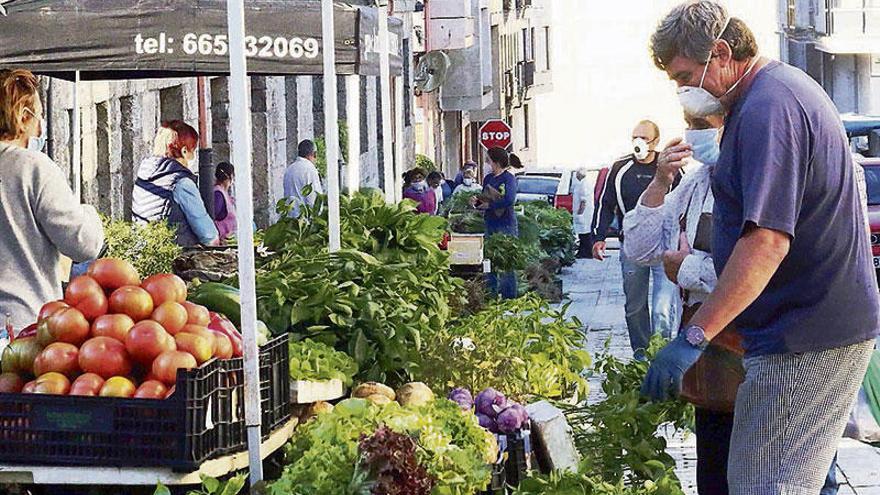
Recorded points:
(831, 486)
(665, 312)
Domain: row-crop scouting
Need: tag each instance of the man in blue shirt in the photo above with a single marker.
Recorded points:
(790, 246)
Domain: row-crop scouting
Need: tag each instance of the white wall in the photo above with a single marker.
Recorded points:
(604, 81)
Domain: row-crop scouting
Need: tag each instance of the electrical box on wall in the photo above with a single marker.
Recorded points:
(450, 24)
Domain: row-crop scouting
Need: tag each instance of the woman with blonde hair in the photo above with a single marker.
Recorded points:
(40, 218)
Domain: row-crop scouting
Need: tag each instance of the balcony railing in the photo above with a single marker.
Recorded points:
(852, 17)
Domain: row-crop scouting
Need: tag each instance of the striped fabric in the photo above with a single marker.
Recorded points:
(790, 415)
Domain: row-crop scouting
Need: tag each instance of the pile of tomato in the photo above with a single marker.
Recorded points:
(114, 335)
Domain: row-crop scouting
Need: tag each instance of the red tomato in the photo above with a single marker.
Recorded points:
(113, 273)
(220, 323)
(198, 315)
(146, 340)
(171, 315)
(133, 301)
(29, 387)
(49, 309)
(114, 326)
(118, 386)
(222, 345)
(105, 357)
(200, 346)
(86, 295)
(165, 287)
(151, 389)
(59, 357)
(67, 325)
(10, 383)
(166, 365)
(52, 384)
(88, 385)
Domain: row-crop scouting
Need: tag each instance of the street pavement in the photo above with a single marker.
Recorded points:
(596, 291)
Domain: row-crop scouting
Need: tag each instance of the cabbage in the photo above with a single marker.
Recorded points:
(487, 422)
(487, 400)
(462, 397)
(510, 419)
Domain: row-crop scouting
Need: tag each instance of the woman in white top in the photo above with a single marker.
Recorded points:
(468, 183)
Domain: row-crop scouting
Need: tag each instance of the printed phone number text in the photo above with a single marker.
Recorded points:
(210, 44)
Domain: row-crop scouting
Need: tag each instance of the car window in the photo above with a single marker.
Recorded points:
(537, 185)
(872, 179)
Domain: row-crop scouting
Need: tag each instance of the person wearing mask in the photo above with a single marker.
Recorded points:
(40, 218)
(224, 203)
(420, 192)
(582, 210)
(499, 214)
(459, 177)
(435, 182)
(625, 183)
(787, 210)
(300, 175)
(469, 183)
(166, 188)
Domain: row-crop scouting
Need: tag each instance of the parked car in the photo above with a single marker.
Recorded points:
(858, 129)
(556, 186)
(872, 179)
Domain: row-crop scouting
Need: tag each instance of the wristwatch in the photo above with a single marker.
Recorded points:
(696, 337)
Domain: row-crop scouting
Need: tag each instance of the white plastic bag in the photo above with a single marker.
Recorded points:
(861, 425)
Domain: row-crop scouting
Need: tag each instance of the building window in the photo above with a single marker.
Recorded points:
(526, 141)
(791, 13)
(531, 55)
(546, 47)
(526, 55)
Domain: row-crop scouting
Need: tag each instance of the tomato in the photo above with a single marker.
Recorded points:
(198, 330)
(52, 384)
(146, 340)
(29, 387)
(113, 273)
(151, 389)
(222, 345)
(68, 325)
(10, 383)
(50, 308)
(198, 315)
(166, 365)
(114, 326)
(59, 357)
(28, 331)
(88, 385)
(165, 287)
(105, 357)
(171, 315)
(86, 295)
(19, 355)
(220, 323)
(201, 347)
(118, 386)
(133, 301)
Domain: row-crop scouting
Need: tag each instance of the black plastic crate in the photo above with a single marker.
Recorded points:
(203, 419)
(498, 484)
(518, 451)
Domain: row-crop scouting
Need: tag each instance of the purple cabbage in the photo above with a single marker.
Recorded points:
(462, 397)
(512, 419)
(487, 400)
(487, 422)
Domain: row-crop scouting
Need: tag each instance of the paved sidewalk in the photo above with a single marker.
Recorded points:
(596, 291)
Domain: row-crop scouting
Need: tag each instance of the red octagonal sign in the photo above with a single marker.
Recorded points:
(495, 134)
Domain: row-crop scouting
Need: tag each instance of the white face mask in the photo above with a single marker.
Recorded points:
(38, 143)
(704, 144)
(420, 185)
(641, 149)
(697, 102)
(468, 181)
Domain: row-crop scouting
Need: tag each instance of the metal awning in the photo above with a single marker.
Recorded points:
(115, 39)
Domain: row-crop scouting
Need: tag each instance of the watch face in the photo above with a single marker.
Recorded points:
(695, 335)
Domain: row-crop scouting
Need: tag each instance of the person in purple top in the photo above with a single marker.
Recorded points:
(789, 245)
(419, 192)
(224, 203)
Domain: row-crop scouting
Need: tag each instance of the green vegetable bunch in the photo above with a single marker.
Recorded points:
(523, 346)
(509, 253)
(324, 455)
(577, 483)
(321, 149)
(314, 361)
(556, 235)
(425, 163)
(151, 248)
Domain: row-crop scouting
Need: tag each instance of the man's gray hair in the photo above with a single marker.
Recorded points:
(691, 28)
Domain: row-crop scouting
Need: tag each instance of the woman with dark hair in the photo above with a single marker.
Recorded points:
(224, 203)
(166, 188)
(500, 218)
(419, 191)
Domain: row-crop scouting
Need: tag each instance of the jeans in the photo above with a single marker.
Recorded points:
(665, 312)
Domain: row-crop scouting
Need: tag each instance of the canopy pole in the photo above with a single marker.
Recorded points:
(387, 94)
(76, 137)
(398, 138)
(353, 115)
(331, 123)
(240, 123)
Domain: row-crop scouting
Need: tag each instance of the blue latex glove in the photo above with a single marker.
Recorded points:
(663, 381)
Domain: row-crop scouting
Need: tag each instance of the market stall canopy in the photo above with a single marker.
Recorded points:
(116, 39)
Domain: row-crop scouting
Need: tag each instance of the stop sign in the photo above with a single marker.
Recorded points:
(495, 134)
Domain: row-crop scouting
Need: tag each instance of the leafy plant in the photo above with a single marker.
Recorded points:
(315, 361)
(425, 163)
(467, 223)
(578, 483)
(509, 253)
(555, 236)
(522, 346)
(321, 149)
(151, 248)
(212, 486)
(324, 455)
(389, 460)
